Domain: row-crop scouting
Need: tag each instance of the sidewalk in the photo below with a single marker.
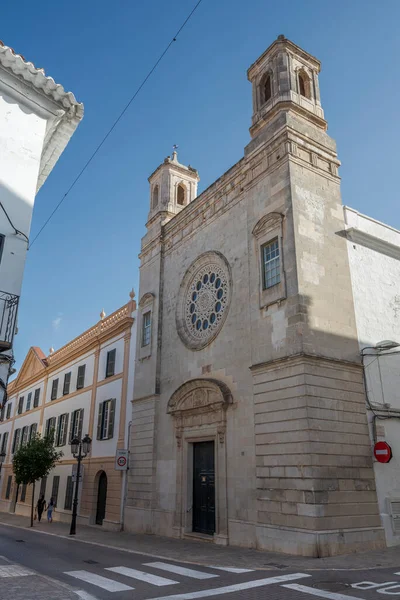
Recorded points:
(20, 583)
(198, 552)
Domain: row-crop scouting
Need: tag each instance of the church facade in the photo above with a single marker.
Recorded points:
(248, 417)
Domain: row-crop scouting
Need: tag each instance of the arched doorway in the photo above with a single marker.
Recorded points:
(198, 408)
(101, 498)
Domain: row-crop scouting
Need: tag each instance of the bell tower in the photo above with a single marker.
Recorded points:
(172, 187)
(285, 78)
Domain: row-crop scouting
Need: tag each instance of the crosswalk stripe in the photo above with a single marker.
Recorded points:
(142, 576)
(228, 589)
(320, 593)
(14, 571)
(103, 582)
(233, 569)
(180, 570)
(84, 595)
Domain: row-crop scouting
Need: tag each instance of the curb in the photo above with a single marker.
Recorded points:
(191, 562)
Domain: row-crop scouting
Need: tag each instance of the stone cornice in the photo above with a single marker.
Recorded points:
(303, 358)
(113, 325)
(293, 107)
(357, 236)
(225, 191)
(277, 46)
(176, 166)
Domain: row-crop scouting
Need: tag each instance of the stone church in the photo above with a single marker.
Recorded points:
(248, 416)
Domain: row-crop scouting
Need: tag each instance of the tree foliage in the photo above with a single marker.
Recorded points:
(35, 460)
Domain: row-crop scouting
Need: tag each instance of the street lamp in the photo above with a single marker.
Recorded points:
(80, 449)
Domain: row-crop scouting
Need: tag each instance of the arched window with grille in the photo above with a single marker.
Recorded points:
(154, 198)
(304, 85)
(267, 88)
(181, 195)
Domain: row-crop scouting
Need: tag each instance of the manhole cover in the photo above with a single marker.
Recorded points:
(331, 586)
(276, 565)
(91, 562)
(20, 541)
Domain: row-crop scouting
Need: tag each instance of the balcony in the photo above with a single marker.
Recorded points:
(8, 319)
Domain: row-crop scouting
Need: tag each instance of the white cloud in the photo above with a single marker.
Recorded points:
(56, 322)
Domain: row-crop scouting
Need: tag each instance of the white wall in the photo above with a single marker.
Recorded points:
(376, 289)
(21, 141)
(87, 360)
(106, 392)
(69, 406)
(118, 344)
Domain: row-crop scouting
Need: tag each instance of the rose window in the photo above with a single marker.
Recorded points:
(204, 301)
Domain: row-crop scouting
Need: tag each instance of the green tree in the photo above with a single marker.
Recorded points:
(34, 461)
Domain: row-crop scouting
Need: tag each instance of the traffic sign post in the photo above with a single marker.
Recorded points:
(382, 452)
(121, 460)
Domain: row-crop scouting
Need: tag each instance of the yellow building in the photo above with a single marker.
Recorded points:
(83, 387)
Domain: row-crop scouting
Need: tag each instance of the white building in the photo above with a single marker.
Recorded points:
(83, 387)
(374, 257)
(37, 120)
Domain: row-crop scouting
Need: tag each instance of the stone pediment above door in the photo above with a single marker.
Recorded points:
(200, 404)
(198, 396)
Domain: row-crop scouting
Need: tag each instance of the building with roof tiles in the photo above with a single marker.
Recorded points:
(82, 388)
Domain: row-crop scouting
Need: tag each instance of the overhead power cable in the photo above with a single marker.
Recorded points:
(85, 166)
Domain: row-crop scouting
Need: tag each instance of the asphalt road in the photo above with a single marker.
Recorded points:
(97, 572)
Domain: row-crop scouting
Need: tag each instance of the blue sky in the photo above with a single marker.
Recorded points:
(199, 98)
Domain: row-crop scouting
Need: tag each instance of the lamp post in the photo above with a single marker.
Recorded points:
(80, 449)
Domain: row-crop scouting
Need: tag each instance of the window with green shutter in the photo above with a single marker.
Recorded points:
(50, 428)
(67, 383)
(43, 486)
(75, 430)
(62, 428)
(17, 435)
(29, 401)
(4, 443)
(20, 405)
(9, 406)
(32, 431)
(8, 489)
(24, 435)
(80, 380)
(54, 490)
(68, 493)
(23, 493)
(110, 367)
(54, 389)
(105, 422)
(36, 398)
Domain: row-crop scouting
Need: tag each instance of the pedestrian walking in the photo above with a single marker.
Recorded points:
(50, 509)
(40, 507)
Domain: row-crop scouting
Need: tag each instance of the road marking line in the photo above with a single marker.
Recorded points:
(321, 593)
(102, 582)
(236, 587)
(14, 571)
(142, 576)
(180, 570)
(233, 569)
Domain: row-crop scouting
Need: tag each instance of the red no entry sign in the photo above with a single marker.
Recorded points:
(382, 452)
